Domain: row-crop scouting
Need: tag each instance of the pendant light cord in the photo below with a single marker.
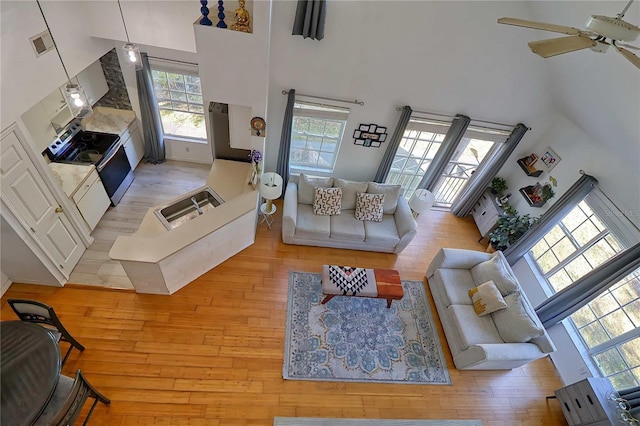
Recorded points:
(123, 23)
(53, 40)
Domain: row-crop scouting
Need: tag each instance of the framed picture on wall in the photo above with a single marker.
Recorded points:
(550, 159)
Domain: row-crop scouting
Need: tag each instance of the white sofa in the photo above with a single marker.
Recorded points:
(477, 342)
(301, 226)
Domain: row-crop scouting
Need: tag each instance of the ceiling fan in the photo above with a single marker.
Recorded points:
(602, 32)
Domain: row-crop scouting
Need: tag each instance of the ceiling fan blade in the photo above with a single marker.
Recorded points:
(540, 26)
(556, 46)
(635, 60)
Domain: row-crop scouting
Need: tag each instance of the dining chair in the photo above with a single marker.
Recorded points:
(37, 312)
(67, 401)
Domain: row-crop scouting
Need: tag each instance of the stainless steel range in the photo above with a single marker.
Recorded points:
(104, 150)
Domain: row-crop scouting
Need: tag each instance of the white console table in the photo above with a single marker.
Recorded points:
(486, 213)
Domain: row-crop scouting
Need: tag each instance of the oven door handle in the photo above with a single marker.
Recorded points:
(108, 158)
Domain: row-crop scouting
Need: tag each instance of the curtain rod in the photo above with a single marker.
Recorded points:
(172, 60)
(472, 120)
(357, 102)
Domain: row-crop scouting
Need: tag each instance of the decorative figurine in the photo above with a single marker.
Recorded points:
(221, 23)
(205, 13)
(243, 21)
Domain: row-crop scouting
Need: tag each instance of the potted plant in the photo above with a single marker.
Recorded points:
(509, 228)
(498, 184)
(547, 189)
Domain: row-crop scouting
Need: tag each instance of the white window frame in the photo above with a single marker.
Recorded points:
(184, 69)
(626, 234)
(328, 113)
(418, 129)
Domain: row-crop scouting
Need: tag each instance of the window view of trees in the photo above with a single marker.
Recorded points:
(609, 326)
(180, 103)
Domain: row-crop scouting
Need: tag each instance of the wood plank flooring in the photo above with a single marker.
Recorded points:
(212, 353)
(153, 185)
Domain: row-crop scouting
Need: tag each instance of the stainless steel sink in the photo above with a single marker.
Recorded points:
(189, 207)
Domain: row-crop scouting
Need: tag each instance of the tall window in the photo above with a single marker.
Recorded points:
(420, 143)
(609, 326)
(316, 135)
(179, 97)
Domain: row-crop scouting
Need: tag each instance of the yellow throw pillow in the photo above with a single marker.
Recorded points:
(486, 298)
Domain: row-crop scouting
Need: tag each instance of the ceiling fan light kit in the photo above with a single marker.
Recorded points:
(601, 32)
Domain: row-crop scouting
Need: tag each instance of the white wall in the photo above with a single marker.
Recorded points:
(422, 54)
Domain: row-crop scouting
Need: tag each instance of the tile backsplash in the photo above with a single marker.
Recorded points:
(117, 96)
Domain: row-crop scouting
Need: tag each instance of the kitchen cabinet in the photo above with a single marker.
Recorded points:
(133, 144)
(39, 215)
(92, 200)
(93, 81)
(486, 213)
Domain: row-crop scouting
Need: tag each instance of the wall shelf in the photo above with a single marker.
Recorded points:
(526, 192)
(529, 170)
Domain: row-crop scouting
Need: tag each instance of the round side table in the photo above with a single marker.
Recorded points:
(267, 215)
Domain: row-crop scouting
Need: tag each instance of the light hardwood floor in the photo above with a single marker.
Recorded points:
(212, 353)
(153, 185)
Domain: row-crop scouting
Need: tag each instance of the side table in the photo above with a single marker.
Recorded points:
(585, 402)
(267, 216)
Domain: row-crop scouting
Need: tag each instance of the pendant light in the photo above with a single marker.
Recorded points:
(131, 50)
(74, 94)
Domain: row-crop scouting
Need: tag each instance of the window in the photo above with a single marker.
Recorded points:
(179, 97)
(420, 143)
(315, 135)
(609, 326)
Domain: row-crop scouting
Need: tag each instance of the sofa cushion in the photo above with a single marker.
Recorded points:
(309, 225)
(486, 298)
(472, 328)
(369, 206)
(345, 227)
(517, 323)
(497, 270)
(349, 191)
(391, 192)
(456, 285)
(327, 201)
(307, 184)
(382, 233)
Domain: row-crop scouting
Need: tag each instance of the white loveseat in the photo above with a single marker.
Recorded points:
(301, 226)
(478, 342)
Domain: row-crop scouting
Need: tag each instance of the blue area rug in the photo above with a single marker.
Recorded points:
(358, 339)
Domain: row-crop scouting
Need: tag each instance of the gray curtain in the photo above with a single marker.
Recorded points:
(481, 179)
(584, 290)
(150, 116)
(445, 152)
(282, 167)
(548, 220)
(392, 148)
(309, 21)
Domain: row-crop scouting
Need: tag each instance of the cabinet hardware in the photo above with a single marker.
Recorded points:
(59, 209)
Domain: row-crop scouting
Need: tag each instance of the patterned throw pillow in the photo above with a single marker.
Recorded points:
(486, 298)
(327, 201)
(369, 206)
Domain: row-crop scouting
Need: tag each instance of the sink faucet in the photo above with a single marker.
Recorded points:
(196, 205)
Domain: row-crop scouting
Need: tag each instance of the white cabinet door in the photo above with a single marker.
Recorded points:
(31, 201)
(134, 145)
(95, 202)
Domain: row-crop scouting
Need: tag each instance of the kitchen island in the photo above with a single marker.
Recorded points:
(162, 261)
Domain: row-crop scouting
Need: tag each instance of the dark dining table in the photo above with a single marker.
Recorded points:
(30, 358)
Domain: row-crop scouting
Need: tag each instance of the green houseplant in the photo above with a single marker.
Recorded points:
(509, 228)
(498, 184)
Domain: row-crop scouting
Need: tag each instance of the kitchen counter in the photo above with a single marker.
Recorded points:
(71, 176)
(109, 120)
(161, 261)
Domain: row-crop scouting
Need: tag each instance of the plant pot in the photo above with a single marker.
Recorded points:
(490, 249)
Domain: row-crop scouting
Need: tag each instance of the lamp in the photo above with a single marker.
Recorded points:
(74, 94)
(421, 201)
(270, 189)
(131, 50)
